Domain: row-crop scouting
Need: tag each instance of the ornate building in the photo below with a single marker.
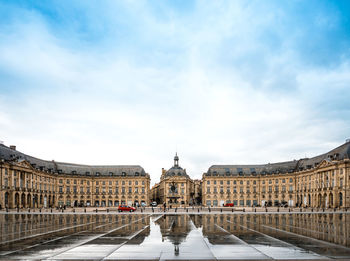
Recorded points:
(26, 181)
(321, 181)
(175, 188)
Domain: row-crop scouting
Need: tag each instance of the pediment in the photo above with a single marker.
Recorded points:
(24, 164)
(324, 163)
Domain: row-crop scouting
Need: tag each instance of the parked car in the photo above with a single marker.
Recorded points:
(154, 204)
(126, 208)
(229, 205)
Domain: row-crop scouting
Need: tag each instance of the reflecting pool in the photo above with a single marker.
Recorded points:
(174, 236)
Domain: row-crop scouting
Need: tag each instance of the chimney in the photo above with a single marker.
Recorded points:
(12, 147)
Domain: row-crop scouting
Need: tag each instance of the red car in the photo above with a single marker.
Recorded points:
(229, 205)
(126, 208)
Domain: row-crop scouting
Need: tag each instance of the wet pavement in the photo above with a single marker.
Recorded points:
(175, 236)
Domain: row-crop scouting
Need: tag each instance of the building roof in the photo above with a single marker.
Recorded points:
(340, 153)
(9, 154)
(176, 170)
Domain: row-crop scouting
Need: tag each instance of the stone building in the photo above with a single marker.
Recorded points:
(175, 188)
(26, 181)
(322, 181)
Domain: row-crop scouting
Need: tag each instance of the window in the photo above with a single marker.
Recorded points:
(116, 182)
(276, 181)
(143, 182)
(215, 190)
(270, 181)
(208, 182)
(97, 183)
(75, 189)
(241, 182)
(123, 182)
(103, 183)
(130, 190)
(81, 182)
(143, 190)
(214, 182)
(234, 189)
(283, 180)
(228, 182)
(182, 184)
(88, 190)
(68, 181)
(97, 190)
(88, 182)
(136, 182)
(290, 188)
(208, 190)
(130, 182)
(116, 190)
(234, 182)
(75, 181)
(270, 188)
(61, 181)
(241, 189)
(68, 189)
(290, 180)
(123, 190)
(60, 189)
(221, 182)
(81, 189)
(136, 190)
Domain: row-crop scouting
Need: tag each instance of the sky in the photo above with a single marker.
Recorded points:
(132, 82)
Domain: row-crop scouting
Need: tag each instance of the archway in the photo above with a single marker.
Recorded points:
(7, 199)
(330, 200)
(325, 200)
(319, 200)
(29, 201)
(340, 199)
(23, 200)
(16, 200)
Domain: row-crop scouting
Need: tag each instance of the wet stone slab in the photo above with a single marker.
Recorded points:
(175, 237)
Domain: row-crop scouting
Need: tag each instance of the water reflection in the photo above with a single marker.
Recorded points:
(220, 236)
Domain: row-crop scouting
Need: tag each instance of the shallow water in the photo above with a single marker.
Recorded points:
(169, 237)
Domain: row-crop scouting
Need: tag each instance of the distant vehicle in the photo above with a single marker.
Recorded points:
(228, 205)
(154, 204)
(126, 208)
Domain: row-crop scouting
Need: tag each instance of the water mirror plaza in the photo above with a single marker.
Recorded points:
(175, 236)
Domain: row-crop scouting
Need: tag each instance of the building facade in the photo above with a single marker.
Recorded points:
(175, 188)
(322, 181)
(28, 182)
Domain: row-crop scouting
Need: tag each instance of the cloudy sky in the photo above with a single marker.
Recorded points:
(131, 82)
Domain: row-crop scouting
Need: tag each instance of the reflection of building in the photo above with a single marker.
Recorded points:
(321, 181)
(16, 226)
(175, 188)
(334, 228)
(26, 181)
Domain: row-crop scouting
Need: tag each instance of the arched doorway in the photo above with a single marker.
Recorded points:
(23, 200)
(319, 201)
(16, 200)
(340, 199)
(7, 199)
(330, 200)
(29, 201)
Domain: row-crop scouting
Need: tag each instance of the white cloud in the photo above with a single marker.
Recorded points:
(89, 107)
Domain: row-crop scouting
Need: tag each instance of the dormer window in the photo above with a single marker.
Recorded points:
(110, 173)
(97, 173)
(123, 174)
(74, 172)
(59, 171)
(137, 174)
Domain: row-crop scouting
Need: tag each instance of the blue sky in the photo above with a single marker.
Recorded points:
(130, 82)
